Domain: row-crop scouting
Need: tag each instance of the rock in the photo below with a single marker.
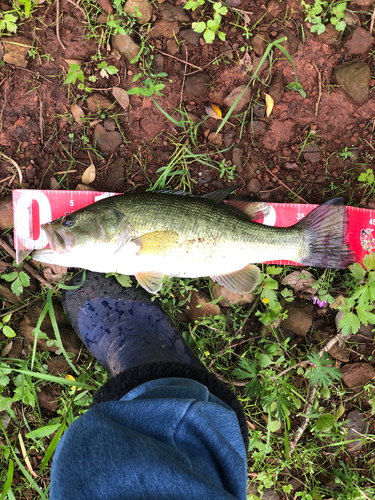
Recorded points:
(172, 47)
(357, 423)
(299, 320)
(104, 140)
(355, 78)
(269, 494)
(98, 102)
(330, 36)
(289, 167)
(229, 138)
(106, 5)
(259, 111)
(311, 153)
(165, 29)
(215, 138)
(16, 49)
(48, 397)
(362, 3)
(256, 62)
(237, 160)
(205, 307)
(254, 185)
(351, 19)
(110, 125)
(102, 18)
(366, 331)
(143, 7)
(152, 125)
(69, 338)
(116, 175)
(340, 353)
(300, 281)
(244, 99)
(359, 42)
(191, 36)
(197, 84)
(256, 128)
(174, 12)
(356, 375)
(274, 7)
(276, 87)
(158, 62)
(291, 43)
(6, 213)
(58, 365)
(230, 298)
(259, 43)
(20, 348)
(126, 46)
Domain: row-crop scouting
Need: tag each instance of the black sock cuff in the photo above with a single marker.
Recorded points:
(115, 388)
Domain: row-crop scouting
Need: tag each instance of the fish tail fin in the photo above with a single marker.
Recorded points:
(326, 236)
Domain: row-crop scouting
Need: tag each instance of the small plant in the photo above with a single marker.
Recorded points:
(345, 153)
(367, 177)
(75, 73)
(8, 21)
(211, 27)
(6, 329)
(320, 13)
(149, 86)
(106, 70)
(18, 278)
(193, 4)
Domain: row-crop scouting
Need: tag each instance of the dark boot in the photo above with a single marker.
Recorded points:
(134, 340)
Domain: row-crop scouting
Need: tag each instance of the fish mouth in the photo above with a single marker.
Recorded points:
(59, 240)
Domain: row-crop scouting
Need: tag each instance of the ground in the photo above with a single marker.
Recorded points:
(83, 105)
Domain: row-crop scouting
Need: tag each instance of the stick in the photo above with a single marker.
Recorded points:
(177, 59)
(27, 267)
(79, 8)
(288, 188)
(15, 164)
(58, 25)
(372, 21)
(320, 87)
(41, 121)
(185, 68)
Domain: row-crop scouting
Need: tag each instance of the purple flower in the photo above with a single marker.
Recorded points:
(321, 303)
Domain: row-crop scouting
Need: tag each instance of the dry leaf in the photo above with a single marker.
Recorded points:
(269, 105)
(246, 62)
(94, 122)
(246, 18)
(77, 113)
(121, 97)
(6, 350)
(214, 112)
(89, 174)
(74, 61)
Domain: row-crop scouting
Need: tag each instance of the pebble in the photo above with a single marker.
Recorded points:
(360, 41)
(197, 84)
(237, 160)
(274, 8)
(256, 128)
(215, 138)
(172, 47)
(104, 140)
(355, 78)
(163, 28)
(243, 101)
(126, 46)
(174, 12)
(229, 138)
(254, 185)
(144, 8)
(191, 36)
(6, 213)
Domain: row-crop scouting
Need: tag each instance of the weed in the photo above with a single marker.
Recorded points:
(150, 85)
(321, 12)
(211, 27)
(6, 329)
(18, 278)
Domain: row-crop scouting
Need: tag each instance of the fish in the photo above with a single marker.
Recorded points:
(171, 233)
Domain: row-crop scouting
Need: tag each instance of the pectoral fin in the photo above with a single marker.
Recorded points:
(243, 281)
(151, 281)
(156, 243)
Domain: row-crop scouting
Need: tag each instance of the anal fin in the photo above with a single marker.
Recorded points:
(242, 281)
(151, 281)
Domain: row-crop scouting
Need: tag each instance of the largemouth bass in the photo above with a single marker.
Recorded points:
(156, 234)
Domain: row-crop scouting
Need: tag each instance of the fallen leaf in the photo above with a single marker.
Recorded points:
(214, 112)
(339, 301)
(246, 18)
(89, 174)
(269, 105)
(77, 113)
(94, 122)
(121, 97)
(6, 350)
(75, 61)
(103, 73)
(246, 62)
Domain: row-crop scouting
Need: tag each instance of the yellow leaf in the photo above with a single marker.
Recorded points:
(89, 174)
(69, 377)
(269, 105)
(214, 112)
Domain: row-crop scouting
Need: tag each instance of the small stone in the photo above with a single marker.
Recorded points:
(16, 49)
(355, 78)
(356, 375)
(116, 175)
(105, 141)
(205, 307)
(256, 62)
(351, 19)
(237, 160)
(158, 62)
(259, 111)
(230, 298)
(276, 87)
(243, 101)
(6, 213)
(357, 423)
(98, 102)
(126, 46)
(152, 125)
(311, 153)
(359, 42)
(48, 398)
(362, 3)
(301, 282)
(229, 138)
(106, 6)
(215, 138)
(274, 7)
(143, 7)
(256, 128)
(191, 36)
(300, 316)
(172, 47)
(330, 35)
(254, 185)
(291, 43)
(110, 125)
(197, 84)
(165, 29)
(174, 12)
(259, 44)
(289, 167)
(340, 353)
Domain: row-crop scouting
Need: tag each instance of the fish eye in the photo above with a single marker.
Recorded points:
(67, 222)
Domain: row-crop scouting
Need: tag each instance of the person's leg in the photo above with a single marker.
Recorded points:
(165, 428)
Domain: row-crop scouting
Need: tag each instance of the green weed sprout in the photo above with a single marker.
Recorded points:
(19, 280)
(106, 70)
(8, 22)
(211, 27)
(321, 12)
(6, 329)
(149, 86)
(75, 73)
(193, 4)
(367, 177)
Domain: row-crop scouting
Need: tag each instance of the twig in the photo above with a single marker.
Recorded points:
(15, 164)
(41, 121)
(79, 8)
(320, 87)
(3, 106)
(311, 399)
(372, 21)
(24, 454)
(6, 178)
(180, 60)
(66, 172)
(226, 381)
(185, 68)
(288, 188)
(37, 75)
(213, 60)
(249, 313)
(20, 307)
(27, 267)
(58, 25)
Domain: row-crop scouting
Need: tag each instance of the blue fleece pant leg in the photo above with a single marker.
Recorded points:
(166, 439)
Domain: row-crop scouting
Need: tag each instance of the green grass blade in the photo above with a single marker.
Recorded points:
(179, 124)
(52, 446)
(8, 482)
(52, 378)
(67, 287)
